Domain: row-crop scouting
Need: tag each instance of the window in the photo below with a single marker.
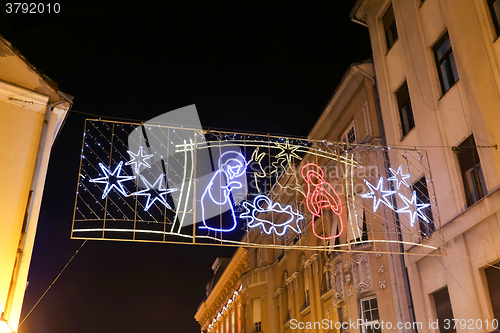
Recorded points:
(306, 289)
(369, 314)
(426, 227)
(349, 135)
(391, 32)
(443, 310)
(327, 284)
(472, 173)
(493, 279)
(405, 110)
(257, 324)
(495, 14)
(445, 62)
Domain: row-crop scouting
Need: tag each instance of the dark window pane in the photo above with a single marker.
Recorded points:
(445, 61)
(443, 310)
(470, 167)
(368, 316)
(375, 315)
(445, 47)
(495, 14)
(444, 76)
(405, 110)
(373, 302)
(493, 278)
(391, 31)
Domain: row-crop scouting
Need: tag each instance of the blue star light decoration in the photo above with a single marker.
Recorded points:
(155, 192)
(413, 208)
(112, 179)
(398, 177)
(378, 194)
(138, 159)
(262, 205)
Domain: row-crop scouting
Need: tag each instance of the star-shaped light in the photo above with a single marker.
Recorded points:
(138, 159)
(288, 151)
(156, 191)
(399, 177)
(413, 208)
(112, 179)
(378, 194)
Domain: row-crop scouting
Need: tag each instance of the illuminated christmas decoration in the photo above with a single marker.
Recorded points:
(157, 191)
(263, 205)
(255, 187)
(321, 194)
(225, 307)
(398, 177)
(138, 159)
(378, 194)
(413, 208)
(256, 157)
(232, 165)
(288, 151)
(112, 179)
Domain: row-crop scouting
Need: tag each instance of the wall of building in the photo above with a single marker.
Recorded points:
(32, 111)
(442, 121)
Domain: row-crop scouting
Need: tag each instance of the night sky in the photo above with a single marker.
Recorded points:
(249, 66)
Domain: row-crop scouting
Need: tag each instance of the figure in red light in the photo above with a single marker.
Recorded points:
(320, 194)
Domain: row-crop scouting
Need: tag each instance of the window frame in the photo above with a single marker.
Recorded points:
(494, 17)
(446, 57)
(362, 314)
(468, 146)
(407, 108)
(431, 227)
(345, 136)
(390, 32)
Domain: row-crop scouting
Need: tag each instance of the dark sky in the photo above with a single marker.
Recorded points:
(247, 65)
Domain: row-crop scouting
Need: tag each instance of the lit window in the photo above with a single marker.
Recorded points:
(391, 32)
(426, 227)
(405, 110)
(445, 62)
(370, 316)
(472, 173)
(495, 14)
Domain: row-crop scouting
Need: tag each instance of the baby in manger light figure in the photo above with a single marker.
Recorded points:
(216, 199)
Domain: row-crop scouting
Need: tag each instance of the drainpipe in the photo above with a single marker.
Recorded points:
(34, 198)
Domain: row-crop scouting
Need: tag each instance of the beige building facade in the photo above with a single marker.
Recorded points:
(32, 111)
(289, 290)
(438, 79)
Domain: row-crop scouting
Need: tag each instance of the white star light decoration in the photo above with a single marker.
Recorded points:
(112, 179)
(398, 177)
(378, 194)
(138, 159)
(157, 191)
(414, 208)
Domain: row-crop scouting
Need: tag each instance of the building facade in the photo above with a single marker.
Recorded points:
(289, 290)
(32, 111)
(438, 79)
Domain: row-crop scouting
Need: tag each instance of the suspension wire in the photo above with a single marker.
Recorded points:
(50, 286)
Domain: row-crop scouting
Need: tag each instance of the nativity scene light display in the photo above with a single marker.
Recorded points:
(178, 185)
